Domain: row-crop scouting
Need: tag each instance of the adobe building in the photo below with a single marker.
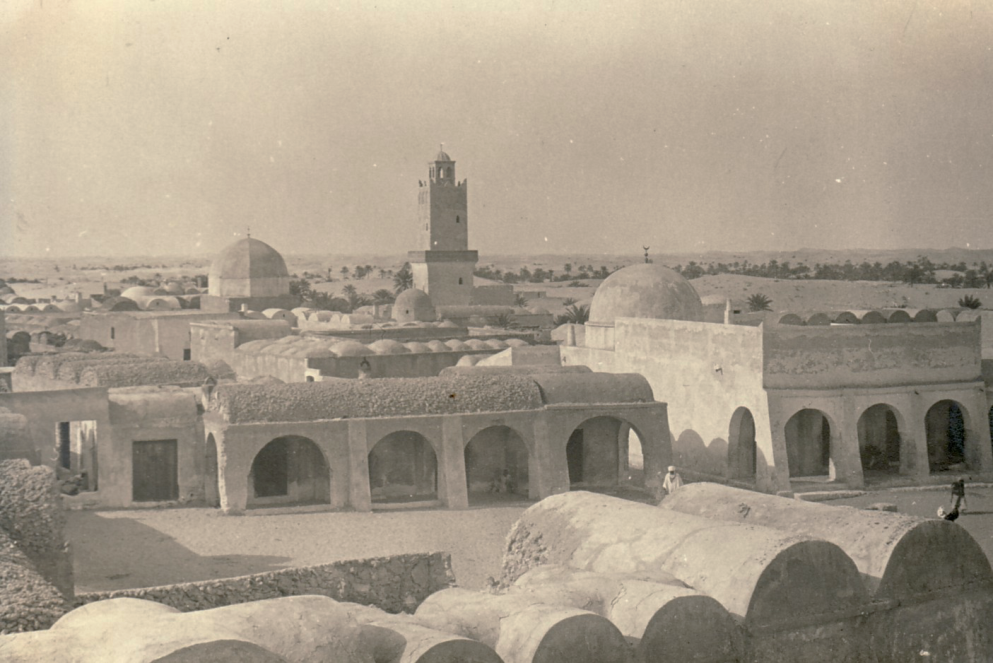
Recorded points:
(443, 265)
(769, 404)
(452, 440)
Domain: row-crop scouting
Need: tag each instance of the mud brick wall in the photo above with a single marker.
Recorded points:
(395, 584)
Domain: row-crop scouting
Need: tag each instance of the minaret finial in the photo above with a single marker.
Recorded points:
(248, 231)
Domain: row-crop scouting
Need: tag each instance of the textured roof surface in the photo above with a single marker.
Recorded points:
(248, 258)
(385, 397)
(140, 373)
(331, 346)
(645, 291)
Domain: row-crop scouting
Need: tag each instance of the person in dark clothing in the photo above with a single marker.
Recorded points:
(951, 515)
(958, 495)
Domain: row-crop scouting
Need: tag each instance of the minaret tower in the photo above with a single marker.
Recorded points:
(444, 264)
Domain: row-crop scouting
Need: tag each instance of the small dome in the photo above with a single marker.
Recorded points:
(136, 291)
(350, 349)
(173, 288)
(249, 268)
(387, 346)
(442, 156)
(645, 291)
(413, 305)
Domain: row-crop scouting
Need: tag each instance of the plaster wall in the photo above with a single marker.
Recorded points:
(441, 281)
(870, 356)
(44, 411)
(346, 445)
(844, 407)
(985, 318)
(135, 416)
(438, 206)
(704, 372)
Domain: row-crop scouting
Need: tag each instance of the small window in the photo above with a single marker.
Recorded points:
(460, 280)
(111, 332)
(186, 354)
(458, 219)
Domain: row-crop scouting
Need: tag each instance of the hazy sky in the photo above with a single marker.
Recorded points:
(166, 127)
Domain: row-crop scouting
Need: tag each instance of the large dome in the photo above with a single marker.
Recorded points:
(249, 268)
(645, 291)
(413, 305)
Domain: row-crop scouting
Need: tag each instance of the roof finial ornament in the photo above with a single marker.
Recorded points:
(646, 254)
(248, 231)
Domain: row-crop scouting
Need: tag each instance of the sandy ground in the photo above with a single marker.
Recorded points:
(122, 549)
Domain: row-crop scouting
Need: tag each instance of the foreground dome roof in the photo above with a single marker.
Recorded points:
(248, 259)
(645, 291)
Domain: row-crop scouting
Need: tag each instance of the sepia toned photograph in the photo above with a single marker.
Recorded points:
(600, 331)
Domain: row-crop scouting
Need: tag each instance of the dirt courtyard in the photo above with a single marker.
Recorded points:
(141, 548)
(122, 549)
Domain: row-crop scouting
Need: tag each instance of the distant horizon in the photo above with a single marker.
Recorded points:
(488, 257)
(170, 128)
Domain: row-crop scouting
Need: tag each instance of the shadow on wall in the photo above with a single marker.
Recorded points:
(689, 451)
(693, 456)
(116, 551)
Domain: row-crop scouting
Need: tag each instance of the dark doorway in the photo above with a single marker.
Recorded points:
(289, 470)
(946, 436)
(808, 444)
(270, 470)
(496, 466)
(741, 445)
(65, 445)
(574, 456)
(403, 468)
(154, 471)
(879, 440)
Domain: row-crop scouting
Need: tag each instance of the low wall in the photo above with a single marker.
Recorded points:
(397, 583)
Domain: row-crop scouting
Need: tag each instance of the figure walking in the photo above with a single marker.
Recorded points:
(959, 502)
(672, 481)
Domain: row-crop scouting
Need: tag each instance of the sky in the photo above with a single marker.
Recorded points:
(171, 127)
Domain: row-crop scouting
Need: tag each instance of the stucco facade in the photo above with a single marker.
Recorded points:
(347, 446)
(819, 400)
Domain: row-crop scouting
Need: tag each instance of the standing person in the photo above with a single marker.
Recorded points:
(958, 495)
(672, 481)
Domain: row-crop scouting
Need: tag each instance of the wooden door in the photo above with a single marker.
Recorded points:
(154, 472)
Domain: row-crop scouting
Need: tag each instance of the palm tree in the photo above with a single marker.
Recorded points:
(759, 302)
(520, 301)
(383, 296)
(403, 279)
(574, 315)
(970, 302)
(502, 320)
(568, 301)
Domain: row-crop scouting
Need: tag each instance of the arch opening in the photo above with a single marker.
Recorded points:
(496, 466)
(879, 440)
(599, 454)
(808, 444)
(403, 468)
(946, 437)
(289, 470)
(742, 453)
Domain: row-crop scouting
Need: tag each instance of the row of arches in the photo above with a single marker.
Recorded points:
(403, 466)
(808, 441)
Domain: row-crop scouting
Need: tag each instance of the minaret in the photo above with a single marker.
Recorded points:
(444, 264)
